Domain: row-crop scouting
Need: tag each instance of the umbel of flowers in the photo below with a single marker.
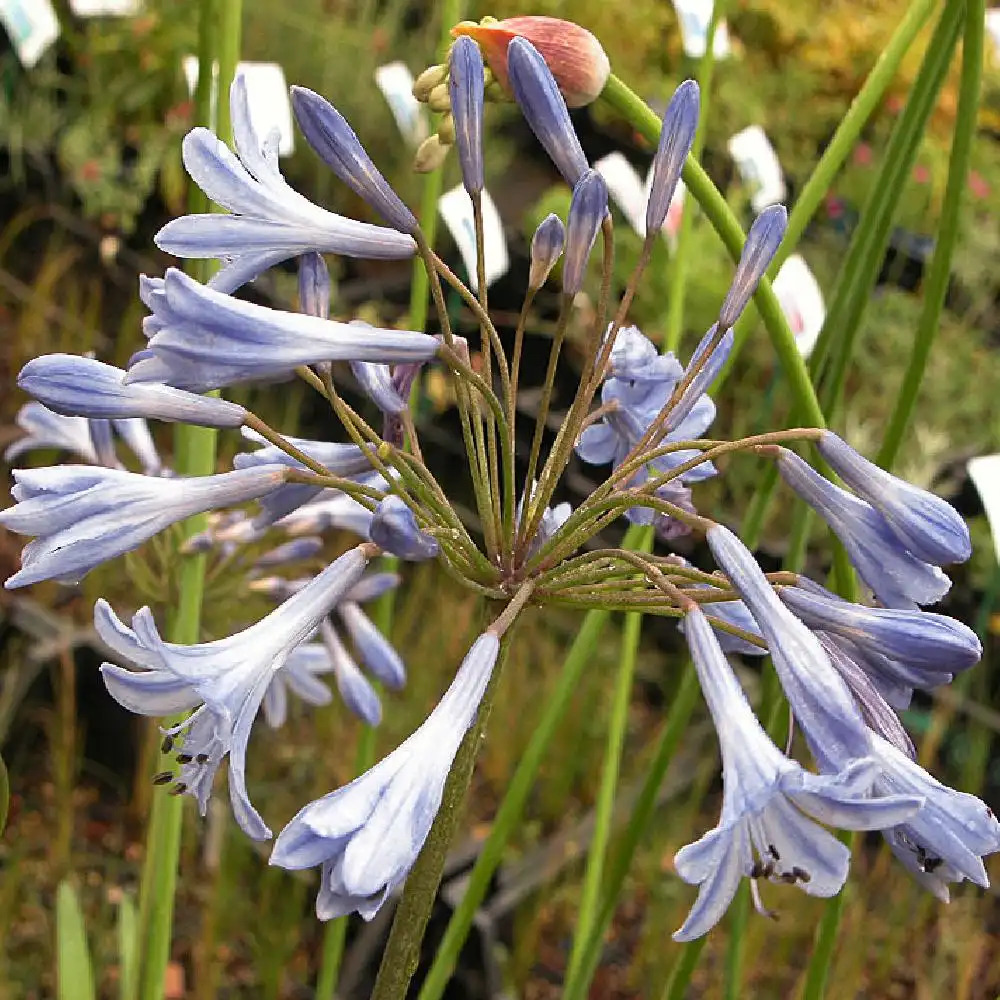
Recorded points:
(846, 668)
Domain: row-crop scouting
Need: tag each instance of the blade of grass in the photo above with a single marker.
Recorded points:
(74, 973)
(4, 794)
(128, 941)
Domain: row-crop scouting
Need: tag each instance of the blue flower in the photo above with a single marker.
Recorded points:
(134, 431)
(226, 679)
(465, 84)
(270, 221)
(329, 134)
(314, 286)
(537, 92)
(587, 210)
(305, 547)
(367, 835)
(84, 516)
(44, 428)
(769, 805)
(819, 698)
(200, 339)
(546, 248)
(331, 510)
(926, 525)
(947, 839)
(732, 613)
(680, 122)
(394, 529)
(898, 578)
(86, 387)
(378, 384)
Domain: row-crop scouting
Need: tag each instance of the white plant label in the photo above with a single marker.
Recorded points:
(984, 472)
(32, 26)
(694, 17)
(801, 301)
(758, 165)
(626, 187)
(267, 94)
(396, 83)
(993, 29)
(456, 210)
(106, 8)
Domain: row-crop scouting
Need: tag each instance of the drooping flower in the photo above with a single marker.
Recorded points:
(466, 82)
(898, 578)
(43, 428)
(926, 525)
(226, 678)
(578, 63)
(269, 222)
(770, 803)
(85, 387)
(680, 122)
(394, 529)
(367, 835)
(84, 515)
(200, 339)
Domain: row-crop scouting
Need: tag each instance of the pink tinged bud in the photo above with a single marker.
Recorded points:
(576, 58)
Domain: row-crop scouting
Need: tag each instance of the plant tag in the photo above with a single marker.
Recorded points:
(993, 29)
(456, 210)
(267, 92)
(106, 8)
(694, 17)
(32, 26)
(396, 83)
(984, 472)
(801, 301)
(758, 165)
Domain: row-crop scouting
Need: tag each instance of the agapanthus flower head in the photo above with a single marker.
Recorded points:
(80, 386)
(44, 428)
(898, 577)
(680, 122)
(578, 63)
(200, 339)
(394, 528)
(770, 804)
(761, 245)
(226, 679)
(587, 210)
(333, 139)
(367, 835)
(546, 249)
(466, 82)
(537, 92)
(269, 221)
(85, 515)
(926, 525)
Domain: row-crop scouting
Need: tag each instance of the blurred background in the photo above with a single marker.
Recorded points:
(90, 130)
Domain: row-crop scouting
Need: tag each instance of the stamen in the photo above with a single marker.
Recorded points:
(758, 903)
(184, 758)
(167, 745)
(163, 777)
(202, 758)
(179, 789)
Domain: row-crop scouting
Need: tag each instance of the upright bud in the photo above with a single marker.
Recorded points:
(546, 248)
(761, 245)
(466, 87)
(578, 63)
(314, 285)
(586, 212)
(680, 121)
(333, 139)
(536, 91)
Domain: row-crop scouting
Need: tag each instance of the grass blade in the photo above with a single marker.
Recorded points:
(74, 974)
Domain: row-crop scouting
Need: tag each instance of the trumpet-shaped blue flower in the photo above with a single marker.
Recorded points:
(546, 248)
(680, 122)
(769, 805)
(84, 516)
(732, 613)
(367, 835)
(898, 578)
(329, 134)
(926, 525)
(544, 108)
(86, 387)
(356, 690)
(43, 428)
(466, 84)
(818, 696)
(394, 528)
(587, 209)
(950, 835)
(269, 221)
(200, 339)
(226, 680)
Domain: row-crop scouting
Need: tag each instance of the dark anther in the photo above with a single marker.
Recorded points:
(773, 851)
(163, 777)
(179, 789)
(184, 758)
(762, 869)
(931, 864)
(801, 874)
(202, 758)
(167, 745)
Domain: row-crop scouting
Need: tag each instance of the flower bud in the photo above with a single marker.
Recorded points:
(314, 285)
(466, 89)
(439, 98)
(428, 80)
(546, 248)
(430, 154)
(576, 58)
(762, 244)
(680, 121)
(446, 130)
(586, 213)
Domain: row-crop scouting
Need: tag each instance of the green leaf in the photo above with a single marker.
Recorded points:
(128, 942)
(4, 795)
(74, 974)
